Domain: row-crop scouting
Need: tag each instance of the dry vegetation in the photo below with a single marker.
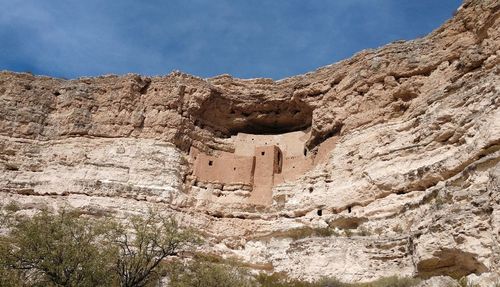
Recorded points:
(69, 248)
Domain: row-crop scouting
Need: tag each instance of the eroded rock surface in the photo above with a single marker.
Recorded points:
(410, 187)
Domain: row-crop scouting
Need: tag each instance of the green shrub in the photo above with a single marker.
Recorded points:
(463, 282)
(10, 278)
(331, 282)
(143, 243)
(393, 281)
(281, 280)
(71, 249)
(304, 232)
(56, 250)
(12, 207)
(207, 274)
(363, 231)
(68, 249)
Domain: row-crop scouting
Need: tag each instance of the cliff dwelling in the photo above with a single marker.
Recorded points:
(259, 162)
(384, 164)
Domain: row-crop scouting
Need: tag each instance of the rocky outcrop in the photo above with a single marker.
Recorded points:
(411, 186)
(439, 281)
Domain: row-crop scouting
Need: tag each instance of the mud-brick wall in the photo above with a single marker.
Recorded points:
(266, 163)
(324, 150)
(293, 167)
(290, 144)
(224, 168)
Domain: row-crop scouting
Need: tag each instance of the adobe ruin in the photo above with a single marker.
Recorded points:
(259, 162)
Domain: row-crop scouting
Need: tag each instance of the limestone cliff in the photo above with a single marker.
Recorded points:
(410, 187)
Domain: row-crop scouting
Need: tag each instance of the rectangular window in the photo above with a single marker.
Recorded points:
(210, 163)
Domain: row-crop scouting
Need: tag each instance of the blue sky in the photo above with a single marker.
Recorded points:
(244, 38)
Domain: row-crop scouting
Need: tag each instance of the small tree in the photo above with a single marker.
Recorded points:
(143, 244)
(56, 250)
(67, 249)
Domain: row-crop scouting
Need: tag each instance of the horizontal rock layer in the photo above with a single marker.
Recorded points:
(411, 187)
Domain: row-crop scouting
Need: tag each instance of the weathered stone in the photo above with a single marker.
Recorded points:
(406, 145)
(439, 281)
(483, 280)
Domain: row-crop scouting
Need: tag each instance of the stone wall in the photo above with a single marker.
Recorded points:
(409, 185)
(261, 161)
(291, 144)
(223, 168)
(267, 163)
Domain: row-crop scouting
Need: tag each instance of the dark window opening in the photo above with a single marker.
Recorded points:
(305, 152)
(349, 209)
(320, 212)
(263, 153)
(12, 167)
(278, 166)
(293, 166)
(210, 162)
(310, 189)
(234, 168)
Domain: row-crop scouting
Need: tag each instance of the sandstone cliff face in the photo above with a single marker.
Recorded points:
(411, 186)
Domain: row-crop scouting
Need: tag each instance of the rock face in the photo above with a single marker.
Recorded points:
(409, 187)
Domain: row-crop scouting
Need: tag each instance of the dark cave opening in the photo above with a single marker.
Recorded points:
(262, 128)
(227, 117)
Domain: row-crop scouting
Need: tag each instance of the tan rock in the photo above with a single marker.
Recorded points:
(484, 280)
(404, 143)
(439, 281)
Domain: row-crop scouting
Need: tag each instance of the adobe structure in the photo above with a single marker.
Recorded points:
(259, 162)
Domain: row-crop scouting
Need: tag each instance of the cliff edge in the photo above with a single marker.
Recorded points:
(385, 163)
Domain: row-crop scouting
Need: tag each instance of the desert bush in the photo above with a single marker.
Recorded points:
(363, 231)
(439, 202)
(304, 232)
(207, 274)
(56, 250)
(143, 243)
(10, 278)
(463, 282)
(7, 213)
(68, 249)
(11, 207)
(281, 280)
(398, 229)
(393, 281)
